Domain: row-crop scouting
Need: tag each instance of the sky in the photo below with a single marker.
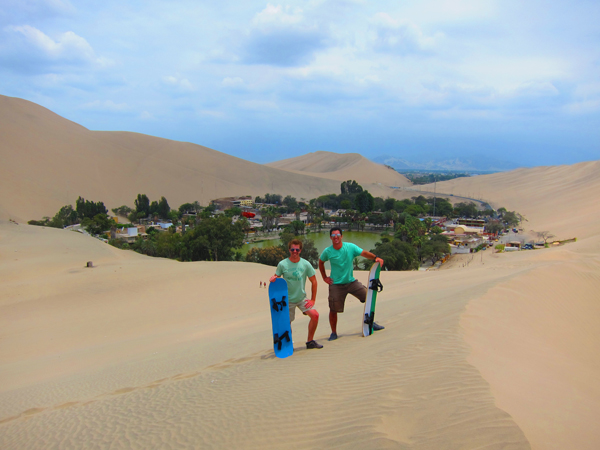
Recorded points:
(264, 81)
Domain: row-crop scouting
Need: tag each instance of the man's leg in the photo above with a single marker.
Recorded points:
(333, 321)
(360, 292)
(312, 325)
(337, 299)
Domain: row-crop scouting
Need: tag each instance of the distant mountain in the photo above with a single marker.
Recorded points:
(472, 163)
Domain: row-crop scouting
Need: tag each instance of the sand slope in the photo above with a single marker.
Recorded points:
(48, 161)
(559, 199)
(342, 167)
(496, 351)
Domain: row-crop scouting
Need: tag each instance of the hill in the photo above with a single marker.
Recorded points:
(554, 198)
(342, 167)
(48, 161)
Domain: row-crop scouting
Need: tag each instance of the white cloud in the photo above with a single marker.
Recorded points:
(283, 36)
(179, 83)
(28, 46)
(278, 16)
(398, 36)
(233, 82)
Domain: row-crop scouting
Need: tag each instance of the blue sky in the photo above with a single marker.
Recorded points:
(519, 81)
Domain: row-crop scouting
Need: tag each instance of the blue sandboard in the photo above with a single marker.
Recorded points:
(280, 318)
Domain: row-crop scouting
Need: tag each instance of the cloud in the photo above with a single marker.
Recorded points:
(181, 84)
(234, 83)
(283, 37)
(28, 49)
(394, 36)
(38, 9)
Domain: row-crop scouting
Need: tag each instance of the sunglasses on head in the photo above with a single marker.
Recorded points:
(294, 249)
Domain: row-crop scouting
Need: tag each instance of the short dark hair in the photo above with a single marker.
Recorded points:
(295, 242)
(335, 229)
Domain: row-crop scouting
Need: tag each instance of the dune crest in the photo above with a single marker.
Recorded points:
(342, 167)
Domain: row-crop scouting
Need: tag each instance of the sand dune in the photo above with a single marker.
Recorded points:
(343, 167)
(554, 198)
(494, 351)
(48, 161)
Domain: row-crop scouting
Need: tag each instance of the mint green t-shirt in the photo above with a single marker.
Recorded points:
(341, 262)
(295, 274)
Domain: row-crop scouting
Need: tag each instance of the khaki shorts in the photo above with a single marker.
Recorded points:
(338, 293)
(301, 305)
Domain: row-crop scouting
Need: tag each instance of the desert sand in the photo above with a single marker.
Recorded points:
(343, 167)
(494, 350)
(49, 161)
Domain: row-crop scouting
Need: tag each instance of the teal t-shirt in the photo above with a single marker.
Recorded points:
(295, 274)
(341, 262)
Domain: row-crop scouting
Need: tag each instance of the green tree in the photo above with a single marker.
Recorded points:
(291, 203)
(493, 226)
(232, 212)
(163, 209)
(511, 219)
(142, 205)
(213, 239)
(64, 217)
(122, 211)
(364, 202)
(98, 224)
(297, 227)
(398, 255)
(267, 255)
(89, 209)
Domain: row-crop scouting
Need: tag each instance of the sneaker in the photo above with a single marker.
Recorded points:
(313, 344)
(333, 337)
(377, 327)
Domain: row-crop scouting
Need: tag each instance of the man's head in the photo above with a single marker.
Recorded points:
(335, 230)
(295, 247)
(335, 234)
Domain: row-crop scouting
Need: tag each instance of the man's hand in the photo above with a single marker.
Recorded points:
(273, 278)
(328, 280)
(309, 304)
(380, 261)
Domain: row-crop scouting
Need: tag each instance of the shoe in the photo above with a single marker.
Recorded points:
(377, 327)
(313, 344)
(333, 337)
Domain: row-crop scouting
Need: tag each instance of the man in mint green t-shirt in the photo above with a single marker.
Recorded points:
(341, 280)
(295, 271)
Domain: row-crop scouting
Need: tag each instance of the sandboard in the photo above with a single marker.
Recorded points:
(280, 318)
(373, 287)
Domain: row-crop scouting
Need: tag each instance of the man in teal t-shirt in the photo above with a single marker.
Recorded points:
(342, 282)
(295, 271)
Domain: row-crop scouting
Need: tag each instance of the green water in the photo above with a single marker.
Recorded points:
(364, 240)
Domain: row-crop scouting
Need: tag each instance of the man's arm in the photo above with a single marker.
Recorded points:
(369, 255)
(326, 279)
(274, 277)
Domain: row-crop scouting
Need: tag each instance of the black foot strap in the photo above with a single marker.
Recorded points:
(278, 306)
(278, 340)
(375, 285)
(369, 319)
